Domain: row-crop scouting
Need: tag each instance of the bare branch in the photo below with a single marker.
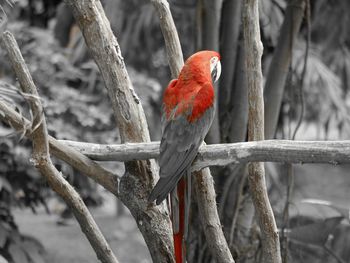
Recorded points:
(42, 161)
(333, 152)
(135, 186)
(63, 151)
(171, 37)
(204, 187)
(217, 242)
(256, 173)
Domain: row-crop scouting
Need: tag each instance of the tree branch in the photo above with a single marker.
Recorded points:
(138, 180)
(203, 179)
(63, 151)
(256, 173)
(172, 41)
(41, 157)
(207, 209)
(332, 152)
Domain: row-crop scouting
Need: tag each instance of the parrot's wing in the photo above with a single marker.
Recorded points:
(179, 146)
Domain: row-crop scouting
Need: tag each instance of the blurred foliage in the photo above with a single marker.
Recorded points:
(77, 105)
(319, 239)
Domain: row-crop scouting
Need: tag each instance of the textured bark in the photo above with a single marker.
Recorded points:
(136, 184)
(332, 152)
(204, 188)
(41, 157)
(256, 172)
(279, 67)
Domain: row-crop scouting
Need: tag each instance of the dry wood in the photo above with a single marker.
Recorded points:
(41, 157)
(207, 208)
(135, 186)
(63, 151)
(215, 237)
(332, 152)
(256, 173)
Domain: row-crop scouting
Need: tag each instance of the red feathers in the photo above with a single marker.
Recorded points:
(193, 90)
(188, 111)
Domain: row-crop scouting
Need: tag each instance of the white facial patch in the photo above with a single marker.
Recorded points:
(215, 68)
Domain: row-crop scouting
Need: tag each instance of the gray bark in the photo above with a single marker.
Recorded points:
(256, 173)
(332, 152)
(135, 185)
(41, 156)
(204, 188)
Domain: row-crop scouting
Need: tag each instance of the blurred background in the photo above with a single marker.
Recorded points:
(310, 201)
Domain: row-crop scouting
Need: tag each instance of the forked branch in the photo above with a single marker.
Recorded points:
(41, 156)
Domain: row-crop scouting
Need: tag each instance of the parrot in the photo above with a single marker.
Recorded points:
(187, 113)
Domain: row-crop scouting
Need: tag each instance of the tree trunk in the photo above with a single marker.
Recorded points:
(230, 28)
(238, 106)
(136, 184)
(279, 67)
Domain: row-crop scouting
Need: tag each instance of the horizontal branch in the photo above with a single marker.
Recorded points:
(333, 152)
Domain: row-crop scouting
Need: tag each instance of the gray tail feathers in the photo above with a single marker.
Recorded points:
(163, 187)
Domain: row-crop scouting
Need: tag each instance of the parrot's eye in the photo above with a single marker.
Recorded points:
(215, 68)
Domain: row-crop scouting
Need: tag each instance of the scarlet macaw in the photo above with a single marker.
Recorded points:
(187, 114)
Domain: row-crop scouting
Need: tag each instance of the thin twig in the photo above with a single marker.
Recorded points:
(256, 171)
(284, 237)
(278, 69)
(238, 202)
(306, 56)
(41, 157)
(333, 254)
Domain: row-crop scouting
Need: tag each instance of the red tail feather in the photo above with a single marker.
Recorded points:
(179, 237)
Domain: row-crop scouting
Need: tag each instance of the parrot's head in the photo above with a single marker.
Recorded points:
(203, 64)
